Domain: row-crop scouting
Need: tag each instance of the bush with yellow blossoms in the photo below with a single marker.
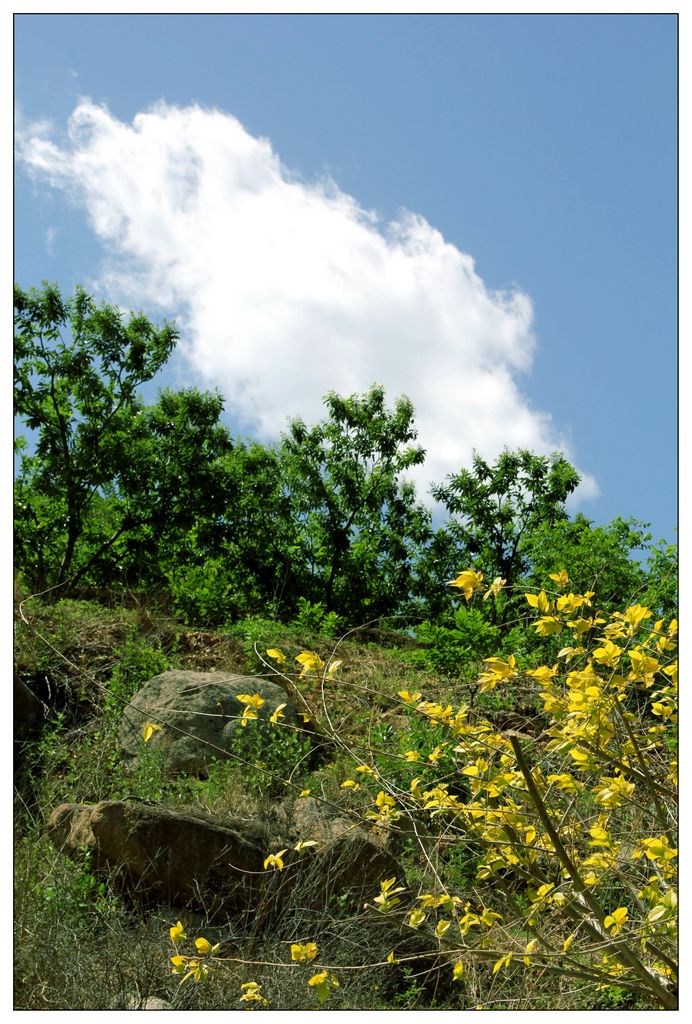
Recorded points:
(572, 826)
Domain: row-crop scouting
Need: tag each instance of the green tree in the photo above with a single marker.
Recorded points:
(495, 509)
(172, 483)
(359, 523)
(241, 557)
(599, 558)
(662, 570)
(77, 369)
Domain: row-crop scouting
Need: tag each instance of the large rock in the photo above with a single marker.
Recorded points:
(350, 858)
(161, 855)
(188, 859)
(199, 717)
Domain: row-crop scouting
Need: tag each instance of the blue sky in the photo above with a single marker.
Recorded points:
(479, 211)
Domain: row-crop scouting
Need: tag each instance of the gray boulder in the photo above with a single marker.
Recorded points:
(199, 715)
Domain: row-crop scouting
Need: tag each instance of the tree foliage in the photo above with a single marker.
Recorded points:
(600, 557)
(359, 522)
(118, 493)
(494, 509)
(77, 370)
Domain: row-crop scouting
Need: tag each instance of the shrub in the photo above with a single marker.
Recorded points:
(571, 836)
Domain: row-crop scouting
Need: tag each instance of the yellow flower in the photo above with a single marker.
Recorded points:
(615, 921)
(409, 698)
(655, 849)
(613, 791)
(333, 666)
(277, 655)
(601, 837)
(457, 971)
(672, 671)
(608, 655)
(252, 993)
(384, 799)
(441, 927)
(149, 730)
(386, 812)
(583, 625)
(643, 667)
(540, 602)
(388, 898)
(274, 860)
(469, 582)
(252, 704)
(304, 844)
(436, 712)
(635, 615)
(194, 966)
(497, 672)
(570, 652)
(566, 783)
(204, 946)
(547, 625)
(573, 602)
(416, 918)
(310, 661)
(177, 933)
(305, 792)
(489, 917)
(323, 982)
(542, 674)
(278, 714)
(302, 954)
(391, 959)
(561, 577)
(504, 961)
(250, 700)
(494, 588)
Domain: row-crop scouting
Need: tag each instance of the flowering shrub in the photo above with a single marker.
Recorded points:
(574, 829)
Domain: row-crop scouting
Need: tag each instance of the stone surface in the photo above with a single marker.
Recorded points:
(169, 856)
(199, 717)
(189, 859)
(349, 857)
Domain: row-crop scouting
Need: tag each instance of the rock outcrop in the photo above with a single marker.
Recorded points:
(198, 714)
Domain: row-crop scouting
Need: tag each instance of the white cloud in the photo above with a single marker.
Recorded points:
(51, 236)
(288, 289)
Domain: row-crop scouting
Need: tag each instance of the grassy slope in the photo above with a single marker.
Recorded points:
(80, 946)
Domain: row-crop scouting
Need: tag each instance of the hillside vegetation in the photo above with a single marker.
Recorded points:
(492, 699)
